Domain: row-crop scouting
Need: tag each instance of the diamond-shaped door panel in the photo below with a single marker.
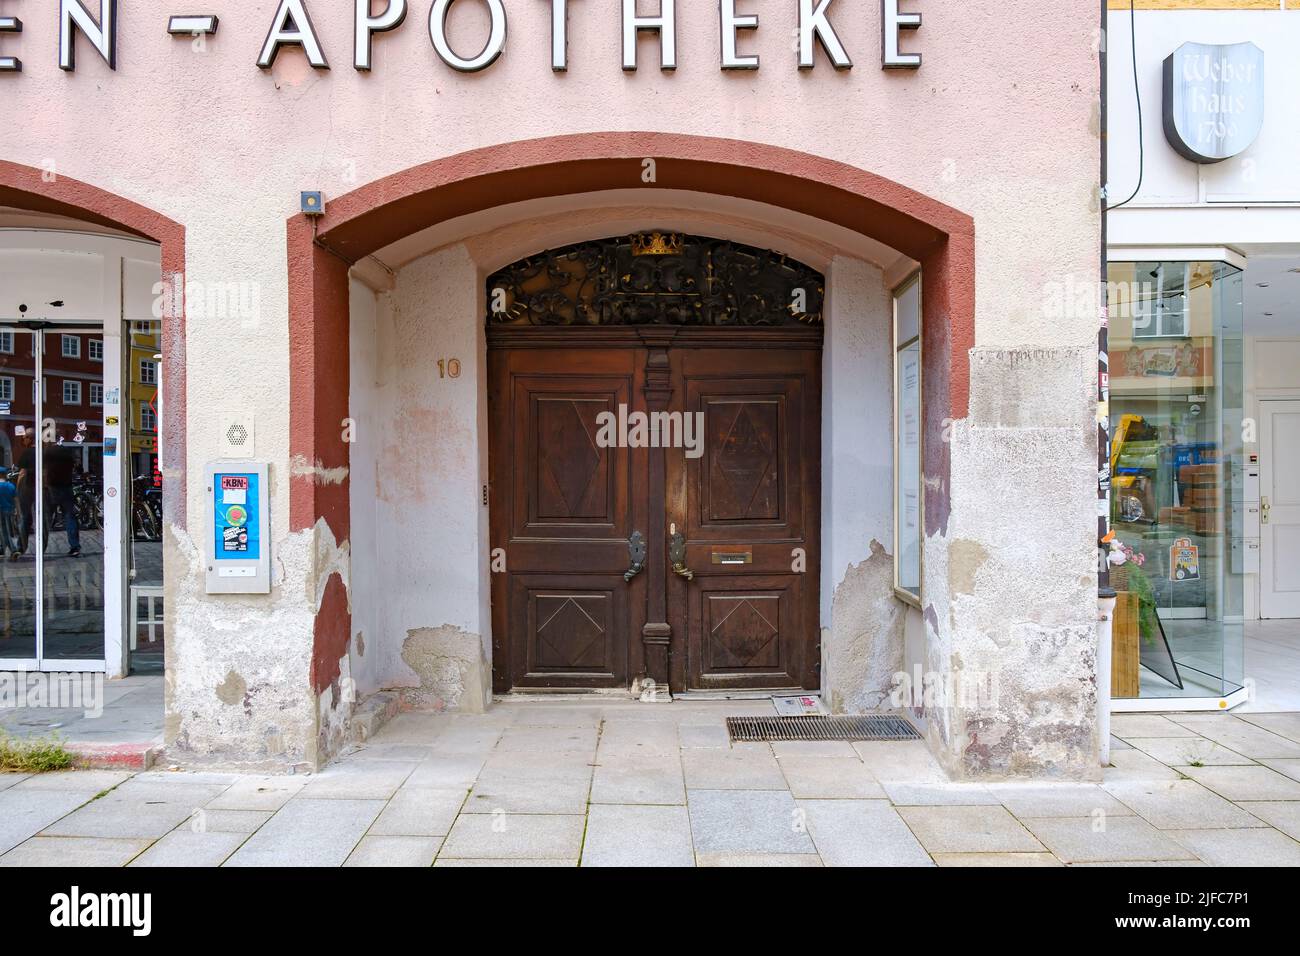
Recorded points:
(743, 632)
(572, 473)
(744, 460)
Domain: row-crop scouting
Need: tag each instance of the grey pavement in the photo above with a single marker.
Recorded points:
(617, 783)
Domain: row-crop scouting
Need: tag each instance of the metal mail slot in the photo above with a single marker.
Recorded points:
(733, 557)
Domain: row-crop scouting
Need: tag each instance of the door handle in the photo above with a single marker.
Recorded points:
(677, 555)
(637, 551)
(1264, 507)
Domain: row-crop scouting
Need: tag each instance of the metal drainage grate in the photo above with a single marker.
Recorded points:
(872, 727)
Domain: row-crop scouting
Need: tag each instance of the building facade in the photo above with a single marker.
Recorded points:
(687, 350)
(1204, 277)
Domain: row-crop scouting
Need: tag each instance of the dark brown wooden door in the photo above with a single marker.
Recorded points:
(748, 509)
(563, 509)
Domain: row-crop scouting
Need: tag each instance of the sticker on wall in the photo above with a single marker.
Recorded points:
(1184, 561)
(110, 447)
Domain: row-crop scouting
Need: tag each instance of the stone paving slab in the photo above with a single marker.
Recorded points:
(862, 833)
(395, 851)
(622, 784)
(74, 852)
(309, 832)
(190, 849)
(969, 830)
(515, 836)
(1179, 805)
(740, 822)
(638, 836)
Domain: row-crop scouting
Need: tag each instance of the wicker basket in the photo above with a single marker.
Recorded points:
(1119, 576)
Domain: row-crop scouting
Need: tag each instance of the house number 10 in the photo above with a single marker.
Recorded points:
(449, 368)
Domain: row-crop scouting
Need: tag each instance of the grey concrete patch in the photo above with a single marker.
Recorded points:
(968, 830)
(1179, 805)
(453, 672)
(861, 833)
(1266, 847)
(830, 778)
(862, 649)
(515, 836)
(638, 836)
(309, 832)
(747, 822)
(1116, 839)
(73, 852)
(145, 813)
(1185, 751)
(1245, 783)
(754, 769)
(1057, 800)
(189, 849)
(638, 780)
(391, 851)
(419, 812)
(7, 780)
(532, 783)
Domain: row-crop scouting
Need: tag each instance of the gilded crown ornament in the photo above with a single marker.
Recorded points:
(657, 244)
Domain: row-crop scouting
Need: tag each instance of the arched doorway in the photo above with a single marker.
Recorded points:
(655, 396)
(448, 194)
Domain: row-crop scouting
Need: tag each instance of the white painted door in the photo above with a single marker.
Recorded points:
(1279, 509)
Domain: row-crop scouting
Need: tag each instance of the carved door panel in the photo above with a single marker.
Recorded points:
(748, 509)
(563, 509)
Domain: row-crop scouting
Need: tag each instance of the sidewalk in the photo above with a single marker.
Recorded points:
(126, 734)
(618, 783)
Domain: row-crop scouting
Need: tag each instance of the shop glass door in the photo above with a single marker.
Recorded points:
(52, 577)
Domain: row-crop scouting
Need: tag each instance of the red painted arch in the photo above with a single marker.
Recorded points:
(39, 190)
(941, 238)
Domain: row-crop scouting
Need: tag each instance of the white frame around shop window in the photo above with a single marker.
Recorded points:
(109, 324)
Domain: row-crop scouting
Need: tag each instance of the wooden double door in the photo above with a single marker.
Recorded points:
(655, 507)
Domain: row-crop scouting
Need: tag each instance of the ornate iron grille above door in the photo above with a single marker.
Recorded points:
(656, 279)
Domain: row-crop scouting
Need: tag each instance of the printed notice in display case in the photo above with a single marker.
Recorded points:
(239, 528)
(909, 467)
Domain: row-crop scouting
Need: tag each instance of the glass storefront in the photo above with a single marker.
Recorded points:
(1176, 417)
(51, 498)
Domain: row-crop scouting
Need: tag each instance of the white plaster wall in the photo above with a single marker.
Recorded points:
(857, 422)
(419, 467)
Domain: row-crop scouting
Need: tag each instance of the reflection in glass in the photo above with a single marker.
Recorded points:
(1176, 386)
(72, 502)
(145, 488)
(18, 568)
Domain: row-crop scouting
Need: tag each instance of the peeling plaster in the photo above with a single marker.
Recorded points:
(453, 672)
(299, 467)
(863, 646)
